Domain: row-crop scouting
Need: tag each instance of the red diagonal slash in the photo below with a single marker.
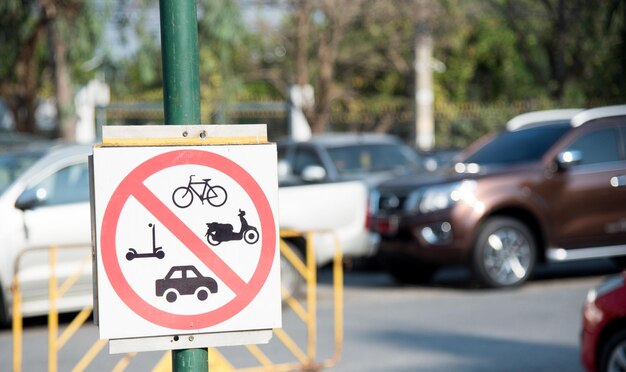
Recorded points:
(188, 238)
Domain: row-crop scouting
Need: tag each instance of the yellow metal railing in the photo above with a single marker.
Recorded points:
(55, 342)
(305, 359)
(308, 314)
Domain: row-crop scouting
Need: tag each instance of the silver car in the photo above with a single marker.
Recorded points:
(44, 202)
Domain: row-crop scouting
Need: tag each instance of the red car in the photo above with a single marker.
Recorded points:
(603, 343)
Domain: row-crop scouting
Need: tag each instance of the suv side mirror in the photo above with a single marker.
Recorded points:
(313, 173)
(31, 198)
(568, 159)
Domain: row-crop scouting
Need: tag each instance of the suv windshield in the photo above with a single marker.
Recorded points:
(13, 164)
(361, 158)
(519, 146)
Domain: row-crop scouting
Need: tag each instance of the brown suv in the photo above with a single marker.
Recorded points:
(551, 188)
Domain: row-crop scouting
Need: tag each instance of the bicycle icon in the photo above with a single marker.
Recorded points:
(183, 196)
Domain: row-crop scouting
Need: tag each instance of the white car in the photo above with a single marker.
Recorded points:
(44, 201)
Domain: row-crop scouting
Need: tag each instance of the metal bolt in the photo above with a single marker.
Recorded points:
(185, 134)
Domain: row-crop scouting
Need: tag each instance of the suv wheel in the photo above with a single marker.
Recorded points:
(612, 353)
(504, 254)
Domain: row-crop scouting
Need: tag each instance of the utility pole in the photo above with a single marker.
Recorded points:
(179, 51)
(424, 96)
(181, 102)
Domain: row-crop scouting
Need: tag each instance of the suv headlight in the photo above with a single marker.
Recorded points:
(440, 197)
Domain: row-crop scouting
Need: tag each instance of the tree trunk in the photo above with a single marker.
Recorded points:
(22, 100)
(62, 83)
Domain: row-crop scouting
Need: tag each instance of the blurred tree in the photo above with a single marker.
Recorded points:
(358, 56)
(136, 74)
(608, 74)
(564, 44)
(316, 31)
(321, 29)
(30, 60)
(375, 65)
(222, 55)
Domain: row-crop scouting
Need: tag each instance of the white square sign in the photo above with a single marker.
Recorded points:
(187, 239)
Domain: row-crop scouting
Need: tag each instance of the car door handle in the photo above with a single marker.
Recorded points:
(618, 181)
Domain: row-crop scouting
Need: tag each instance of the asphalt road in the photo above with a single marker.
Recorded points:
(446, 326)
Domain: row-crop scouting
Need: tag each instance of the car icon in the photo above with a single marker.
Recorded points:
(185, 280)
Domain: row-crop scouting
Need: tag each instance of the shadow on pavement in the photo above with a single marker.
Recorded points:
(461, 278)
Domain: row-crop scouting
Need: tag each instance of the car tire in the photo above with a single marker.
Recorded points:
(504, 254)
(171, 296)
(291, 280)
(408, 271)
(202, 294)
(612, 352)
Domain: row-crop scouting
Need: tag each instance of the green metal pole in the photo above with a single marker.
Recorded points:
(179, 49)
(181, 102)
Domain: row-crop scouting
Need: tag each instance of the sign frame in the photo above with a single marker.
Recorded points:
(180, 135)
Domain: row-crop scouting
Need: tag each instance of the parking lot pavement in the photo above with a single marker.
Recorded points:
(447, 326)
(453, 326)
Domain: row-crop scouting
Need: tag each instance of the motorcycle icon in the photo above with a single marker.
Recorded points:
(156, 251)
(222, 232)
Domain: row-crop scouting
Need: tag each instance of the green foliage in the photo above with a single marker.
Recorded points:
(220, 35)
(18, 21)
(501, 57)
(33, 35)
(221, 58)
(89, 24)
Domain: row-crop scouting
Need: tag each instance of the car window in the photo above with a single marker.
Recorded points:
(303, 158)
(13, 165)
(176, 274)
(372, 158)
(191, 274)
(518, 146)
(68, 185)
(599, 146)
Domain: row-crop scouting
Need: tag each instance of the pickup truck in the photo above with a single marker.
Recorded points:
(329, 210)
(324, 188)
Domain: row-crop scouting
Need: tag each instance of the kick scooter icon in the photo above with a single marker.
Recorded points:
(156, 251)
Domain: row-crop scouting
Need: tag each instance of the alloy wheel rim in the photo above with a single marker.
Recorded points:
(507, 256)
(617, 360)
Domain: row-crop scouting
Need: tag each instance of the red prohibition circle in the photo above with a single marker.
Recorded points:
(132, 184)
